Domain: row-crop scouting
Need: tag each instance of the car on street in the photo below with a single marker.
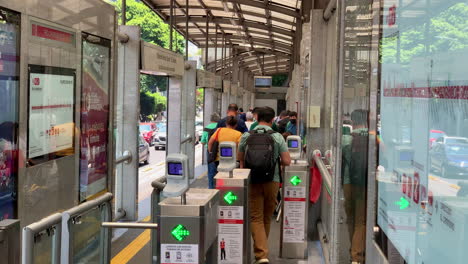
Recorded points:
(434, 135)
(148, 130)
(160, 137)
(198, 130)
(143, 150)
(450, 160)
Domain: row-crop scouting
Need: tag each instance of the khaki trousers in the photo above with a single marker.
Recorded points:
(262, 202)
(355, 206)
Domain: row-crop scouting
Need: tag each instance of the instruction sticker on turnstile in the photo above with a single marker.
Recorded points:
(294, 214)
(179, 253)
(230, 234)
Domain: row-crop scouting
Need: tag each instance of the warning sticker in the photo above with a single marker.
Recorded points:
(294, 215)
(230, 234)
(179, 253)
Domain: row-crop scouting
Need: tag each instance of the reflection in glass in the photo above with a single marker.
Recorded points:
(423, 155)
(355, 132)
(87, 238)
(9, 85)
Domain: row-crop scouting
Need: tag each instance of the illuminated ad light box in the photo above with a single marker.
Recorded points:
(94, 115)
(263, 81)
(51, 112)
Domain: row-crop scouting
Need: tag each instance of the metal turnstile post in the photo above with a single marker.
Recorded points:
(294, 211)
(10, 241)
(233, 245)
(188, 231)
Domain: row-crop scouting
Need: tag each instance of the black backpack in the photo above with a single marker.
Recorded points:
(259, 156)
(214, 153)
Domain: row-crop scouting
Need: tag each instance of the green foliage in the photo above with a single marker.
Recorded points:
(445, 32)
(153, 28)
(160, 102)
(279, 79)
(153, 83)
(200, 95)
(147, 104)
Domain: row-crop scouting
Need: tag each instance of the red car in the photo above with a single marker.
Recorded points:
(148, 131)
(435, 134)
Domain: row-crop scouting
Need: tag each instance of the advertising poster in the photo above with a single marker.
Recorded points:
(230, 234)
(9, 86)
(179, 253)
(294, 214)
(51, 110)
(423, 155)
(94, 116)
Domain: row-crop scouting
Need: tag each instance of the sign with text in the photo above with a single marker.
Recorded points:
(51, 111)
(206, 79)
(159, 60)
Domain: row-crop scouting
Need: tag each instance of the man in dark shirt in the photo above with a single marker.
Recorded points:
(232, 111)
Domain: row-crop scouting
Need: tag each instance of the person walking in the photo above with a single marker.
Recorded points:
(249, 116)
(208, 131)
(222, 134)
(291, 127)
(255, 124)
(283, 121)
(232, 111)
(263, 151)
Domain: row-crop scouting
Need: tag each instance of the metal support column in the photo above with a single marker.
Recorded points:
(188, 114)
(186, 28)
(124, 12)
(207, 29)
(171, 23)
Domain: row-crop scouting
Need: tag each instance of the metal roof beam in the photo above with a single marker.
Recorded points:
(271, 6)
(223, 20)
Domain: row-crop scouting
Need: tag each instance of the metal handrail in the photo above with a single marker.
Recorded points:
(322, 168)
(331, 8)
(186, 139)
(158, 187)
(84, 207)
(126, 157)
(49, 224)
(129, 225)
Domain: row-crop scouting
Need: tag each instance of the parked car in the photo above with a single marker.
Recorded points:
(452, 140)
(147, 130)
(451, 160)
(160, 137)
(143, 150)
(435, 134)
(198, 131)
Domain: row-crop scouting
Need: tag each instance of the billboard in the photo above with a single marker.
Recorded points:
(94, 116)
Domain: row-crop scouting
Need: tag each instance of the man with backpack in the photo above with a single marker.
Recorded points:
(232, 111)
(263, 150)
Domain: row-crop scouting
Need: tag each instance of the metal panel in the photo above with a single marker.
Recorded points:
(10, 241)
(188, 114)
(56, 180)
(127, 116)
(174, 126)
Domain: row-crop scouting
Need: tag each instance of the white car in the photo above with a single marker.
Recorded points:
(143, 150)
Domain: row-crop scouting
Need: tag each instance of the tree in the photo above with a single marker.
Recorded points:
(147, 104)
(279, 79)
(151, 82)
(160, 102)
(153, 28)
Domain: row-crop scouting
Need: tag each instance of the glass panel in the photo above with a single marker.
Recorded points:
(94, 115)
(423, 159)
(45, 244)
(88, 238)
(354, 127)
(9, 85)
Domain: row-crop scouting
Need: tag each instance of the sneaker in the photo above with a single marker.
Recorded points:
(262, 261)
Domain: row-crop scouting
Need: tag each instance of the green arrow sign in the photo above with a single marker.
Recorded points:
(295, 180)
(403, 203)
(230, 197)
(180, 232)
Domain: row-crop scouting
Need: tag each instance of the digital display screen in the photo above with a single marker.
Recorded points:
(174, 168)
(263, 81)
(293, 144)
(226, 152)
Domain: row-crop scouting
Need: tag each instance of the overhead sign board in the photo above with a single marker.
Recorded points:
(160, 60)
(206, 79)
(218, 82)
(226, 86)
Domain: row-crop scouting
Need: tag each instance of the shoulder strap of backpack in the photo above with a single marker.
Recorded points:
(209, 130)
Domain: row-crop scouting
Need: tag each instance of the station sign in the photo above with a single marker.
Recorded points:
(159, 60)
(206, 79)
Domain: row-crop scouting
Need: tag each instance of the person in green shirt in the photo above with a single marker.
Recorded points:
(255, 124)
(207, 131)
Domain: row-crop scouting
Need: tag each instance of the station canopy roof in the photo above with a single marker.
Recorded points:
(262, 32)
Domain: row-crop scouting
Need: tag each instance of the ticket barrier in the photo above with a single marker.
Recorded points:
(234, 241)
(186, 218)
(295, 193)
